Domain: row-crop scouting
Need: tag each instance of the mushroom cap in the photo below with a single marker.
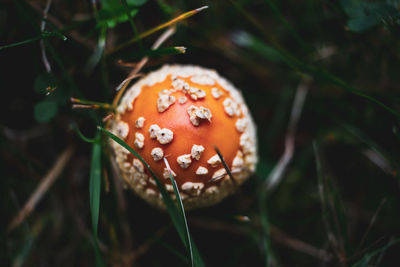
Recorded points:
(181, 112)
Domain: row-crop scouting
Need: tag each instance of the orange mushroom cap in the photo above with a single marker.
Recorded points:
(181, 113)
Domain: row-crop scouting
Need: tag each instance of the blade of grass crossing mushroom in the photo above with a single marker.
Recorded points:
(94, 195)
(175, 214)
(228, 171)
(181, 209)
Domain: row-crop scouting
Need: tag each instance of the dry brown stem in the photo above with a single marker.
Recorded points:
(42, 188)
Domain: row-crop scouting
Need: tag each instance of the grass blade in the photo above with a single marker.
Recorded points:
(167, 51)
(158, 28)
(265, 228)
(283, 20)
(43, 35)
(228, 171)
(98, 52)
(266, 51)
(177, 216)
(365, 261)
(130, 18)
(94, 194)
(182, 211)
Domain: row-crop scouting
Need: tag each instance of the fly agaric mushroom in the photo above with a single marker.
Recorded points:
(181, 113)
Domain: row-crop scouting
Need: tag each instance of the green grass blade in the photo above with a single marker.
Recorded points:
(178, 217)
(167, 199)
(94, 185)
(365, 261)
(273, 53)
(283, 20)
(182, 211)
(94, 195)
(80, 134)
(43, 35)
(98, 52)
(265, 228)
(133, 25)
(174, 251)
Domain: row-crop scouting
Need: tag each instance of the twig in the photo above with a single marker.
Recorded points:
(276, 234)
(280, 169)
(296, 244)
(42, 28)
(42, 188)
(146, 245)
(121, 88)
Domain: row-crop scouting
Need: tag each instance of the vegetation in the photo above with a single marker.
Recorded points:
(320, 78)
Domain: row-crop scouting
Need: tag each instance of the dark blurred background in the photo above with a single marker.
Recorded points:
(337, 200)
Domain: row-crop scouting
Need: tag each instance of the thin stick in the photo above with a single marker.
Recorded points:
(145, 246)
(277, 174)
(121, 88)
(276, 234)
(42, 188)
(299, 245)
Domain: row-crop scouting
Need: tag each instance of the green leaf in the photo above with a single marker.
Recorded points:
(45, 111)
(364, 15)
(113, 4)
(362, 24)
(113, 12)
(136, 2)
(48, 84)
